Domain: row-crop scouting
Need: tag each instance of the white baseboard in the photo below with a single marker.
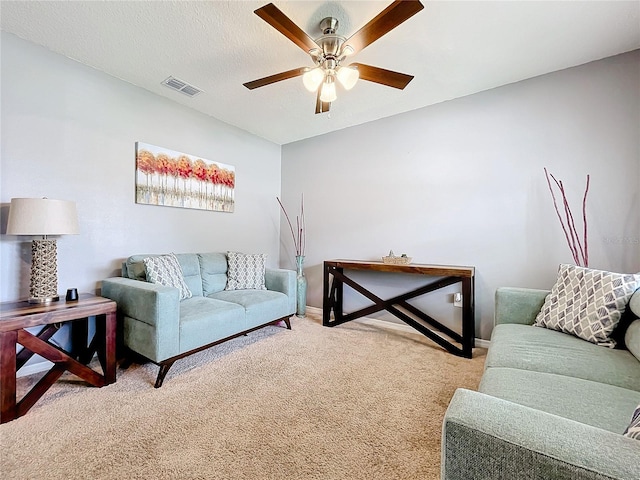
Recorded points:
(395, 326)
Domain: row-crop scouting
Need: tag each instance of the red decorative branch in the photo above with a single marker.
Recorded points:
(578, 251)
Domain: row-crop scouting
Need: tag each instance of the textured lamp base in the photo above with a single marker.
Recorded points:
(44, 272)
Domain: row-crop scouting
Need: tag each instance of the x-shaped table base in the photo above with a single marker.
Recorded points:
(18, 316)
(335, 279)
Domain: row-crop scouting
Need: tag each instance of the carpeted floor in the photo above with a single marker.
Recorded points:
(351, 402)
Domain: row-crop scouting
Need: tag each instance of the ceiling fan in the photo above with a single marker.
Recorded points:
(330, 50)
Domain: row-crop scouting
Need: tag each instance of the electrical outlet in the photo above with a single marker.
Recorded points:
(457, 300)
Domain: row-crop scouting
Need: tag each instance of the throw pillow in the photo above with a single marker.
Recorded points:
(633, 430)
(245, 271)
(165, 270)
(587, 303)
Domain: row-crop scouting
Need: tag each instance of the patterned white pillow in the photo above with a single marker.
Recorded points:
(587, 303)
(166, 270)
(633, 430)
(246, 271)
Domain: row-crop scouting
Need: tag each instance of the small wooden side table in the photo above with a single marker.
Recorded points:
(16, 317)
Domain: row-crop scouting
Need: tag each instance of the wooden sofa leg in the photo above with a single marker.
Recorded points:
(126, 363)
(287, 322)
(164, 368)
(130, 357)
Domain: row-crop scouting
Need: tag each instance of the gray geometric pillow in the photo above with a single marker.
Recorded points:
(587, 303)
(245, 271)
(633, 430)
(166, 270)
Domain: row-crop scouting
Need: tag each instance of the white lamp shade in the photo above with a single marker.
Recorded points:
(348, 76)
(328, 92)
(42, 216)
(313, 78)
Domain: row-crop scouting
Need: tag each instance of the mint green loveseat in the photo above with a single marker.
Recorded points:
(162, 328)
(549, 406)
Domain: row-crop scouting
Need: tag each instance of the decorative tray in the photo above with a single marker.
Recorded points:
(397, 260)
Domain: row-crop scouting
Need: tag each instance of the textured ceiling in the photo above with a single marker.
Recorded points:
(452, 48)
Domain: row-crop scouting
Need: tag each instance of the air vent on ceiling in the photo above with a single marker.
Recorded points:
(182, 87)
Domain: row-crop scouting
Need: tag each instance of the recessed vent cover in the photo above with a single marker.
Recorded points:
(182, 87)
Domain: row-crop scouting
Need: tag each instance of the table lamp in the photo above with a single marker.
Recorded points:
(42, 216)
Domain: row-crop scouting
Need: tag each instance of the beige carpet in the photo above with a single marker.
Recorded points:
(350, 402)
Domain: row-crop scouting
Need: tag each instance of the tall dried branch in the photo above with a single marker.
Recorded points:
(579, 249)
(298, 236)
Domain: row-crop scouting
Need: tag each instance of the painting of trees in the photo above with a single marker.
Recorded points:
(175, 179)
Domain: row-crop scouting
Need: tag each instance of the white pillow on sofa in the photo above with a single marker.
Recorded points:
(246, 271)
(587, 303)
(166, 270)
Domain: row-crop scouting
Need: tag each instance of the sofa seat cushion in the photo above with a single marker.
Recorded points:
(206, 320)
(542, 350)
(597, 404)
(261, 306)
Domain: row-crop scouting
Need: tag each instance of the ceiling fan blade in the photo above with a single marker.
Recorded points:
(278, 20)
(384, 22)
(382, 76)
(321, 107)
(261, 82)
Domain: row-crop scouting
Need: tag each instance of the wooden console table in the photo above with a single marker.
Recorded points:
(16, 317)
(334, 294)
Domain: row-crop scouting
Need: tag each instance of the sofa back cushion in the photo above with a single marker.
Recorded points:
(213, 270)
(134, 269)
(634, 303)
(632, 339)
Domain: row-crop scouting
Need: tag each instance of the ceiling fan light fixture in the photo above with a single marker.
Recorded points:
(328, 92)
(348, 77)
(313, 78)
(347, 50)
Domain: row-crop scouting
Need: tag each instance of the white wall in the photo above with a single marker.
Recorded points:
(462, 183)
(69, 132)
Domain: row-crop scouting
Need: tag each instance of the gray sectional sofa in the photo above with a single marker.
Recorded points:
(162, 328)
(549, 405)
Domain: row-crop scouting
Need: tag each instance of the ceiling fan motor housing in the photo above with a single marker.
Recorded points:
(331, 44)
(329, 25)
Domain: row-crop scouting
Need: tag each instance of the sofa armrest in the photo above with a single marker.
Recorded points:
(484, 437)
(155, 305)
(151, 316)
(281, 280)
(518, 305)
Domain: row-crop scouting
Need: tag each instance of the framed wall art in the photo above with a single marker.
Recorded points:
(174, 179)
